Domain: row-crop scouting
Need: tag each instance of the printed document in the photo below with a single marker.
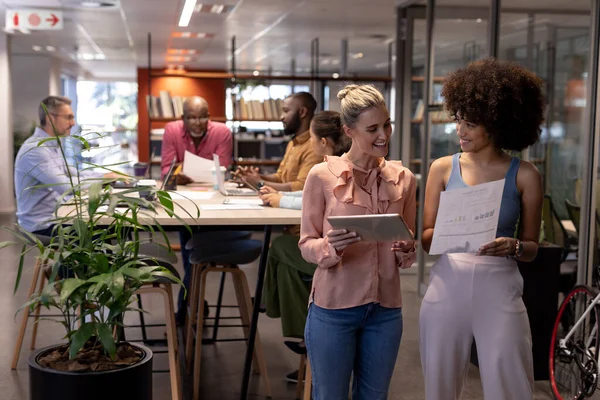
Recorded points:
(197, 168)
(467, 218)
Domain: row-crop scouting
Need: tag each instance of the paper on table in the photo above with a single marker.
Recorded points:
(191, 195)
(197, 168)
(255, 202)
(207, 207)
(467, 218)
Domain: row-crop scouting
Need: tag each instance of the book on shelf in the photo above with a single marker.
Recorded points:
(440, 116)
(418, 115)
(268, 110)
(164, 105)
(157, 134)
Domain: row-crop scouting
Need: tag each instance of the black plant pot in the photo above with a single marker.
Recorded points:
(129, 383)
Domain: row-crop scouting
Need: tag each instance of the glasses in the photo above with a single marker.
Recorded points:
(192, 119)
(69, 117)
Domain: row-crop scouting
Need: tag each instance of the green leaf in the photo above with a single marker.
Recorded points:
(136, 273)
(20, 270)
(50, 139)
(94, 201)
(166, 274)
(102, 278)
(82, 230)
(6, 244)
(102, 264)
(80, 337)
(69, 286)
(117, 284)
(165, 200)
(107, 340)
(83, 141)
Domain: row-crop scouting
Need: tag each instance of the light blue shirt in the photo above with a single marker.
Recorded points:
(291, 200)
(37, 166)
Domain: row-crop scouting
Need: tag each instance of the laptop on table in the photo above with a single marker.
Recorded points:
(221, 183)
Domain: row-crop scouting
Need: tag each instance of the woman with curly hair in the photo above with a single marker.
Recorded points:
(498, 106)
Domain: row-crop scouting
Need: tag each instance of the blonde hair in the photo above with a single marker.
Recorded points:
(357, 98)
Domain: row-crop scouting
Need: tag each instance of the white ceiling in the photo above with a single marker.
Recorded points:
(269, 33)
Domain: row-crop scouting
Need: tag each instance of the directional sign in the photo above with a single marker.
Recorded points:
(34, 20)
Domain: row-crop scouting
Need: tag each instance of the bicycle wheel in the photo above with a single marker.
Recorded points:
(573, 363)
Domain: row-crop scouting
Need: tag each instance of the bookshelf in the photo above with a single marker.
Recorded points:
(151, 82)
(160, 89)
(443, 138)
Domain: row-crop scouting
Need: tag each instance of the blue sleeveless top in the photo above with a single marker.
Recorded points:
(510, 208)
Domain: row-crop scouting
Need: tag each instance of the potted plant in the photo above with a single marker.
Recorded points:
(94, 267)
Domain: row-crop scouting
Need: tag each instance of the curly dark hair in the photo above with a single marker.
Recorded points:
(503, 97)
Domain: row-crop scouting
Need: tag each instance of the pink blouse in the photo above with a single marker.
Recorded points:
(365, 272)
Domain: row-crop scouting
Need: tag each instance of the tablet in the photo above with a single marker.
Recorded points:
(374, 227)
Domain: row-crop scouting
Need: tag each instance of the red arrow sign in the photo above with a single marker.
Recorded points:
(53, 19)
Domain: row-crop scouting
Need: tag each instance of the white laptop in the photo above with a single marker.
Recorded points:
(221, 183)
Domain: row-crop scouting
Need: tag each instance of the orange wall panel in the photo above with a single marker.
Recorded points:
(212, 89)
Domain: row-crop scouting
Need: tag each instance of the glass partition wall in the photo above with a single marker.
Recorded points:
(553, 43)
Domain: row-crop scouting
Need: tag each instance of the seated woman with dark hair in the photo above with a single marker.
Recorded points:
(288, 278)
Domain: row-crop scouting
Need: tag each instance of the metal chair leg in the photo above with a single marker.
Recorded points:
(142, 320)
(219, 304)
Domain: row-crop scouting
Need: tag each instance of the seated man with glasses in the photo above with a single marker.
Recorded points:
(41, 172)
(197, 134)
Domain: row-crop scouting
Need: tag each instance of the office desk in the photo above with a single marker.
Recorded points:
(266, 218)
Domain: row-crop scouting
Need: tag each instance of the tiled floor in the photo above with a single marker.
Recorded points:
(222, 364)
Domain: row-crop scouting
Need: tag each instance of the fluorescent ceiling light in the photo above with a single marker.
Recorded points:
(213, 8)
(90, 4)
(186, 13)
(192, 35)
(50, 48)
(37, 48)
(217, 8)
(181, 51)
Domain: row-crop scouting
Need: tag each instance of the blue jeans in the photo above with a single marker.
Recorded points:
(363, 340)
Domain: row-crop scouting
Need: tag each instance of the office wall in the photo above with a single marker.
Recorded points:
(7, 201)
(30, 84)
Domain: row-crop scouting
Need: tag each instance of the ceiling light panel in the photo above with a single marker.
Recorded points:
(213, 8)
(182, 51)
(186, 12)
(192, 35)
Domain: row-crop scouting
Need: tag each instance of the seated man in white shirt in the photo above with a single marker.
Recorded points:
(43, 164)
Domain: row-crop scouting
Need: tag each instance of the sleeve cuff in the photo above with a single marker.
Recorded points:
(286, 202)
(330, 255)
(407, 259)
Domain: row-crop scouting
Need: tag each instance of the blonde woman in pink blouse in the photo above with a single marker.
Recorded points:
(354, 322)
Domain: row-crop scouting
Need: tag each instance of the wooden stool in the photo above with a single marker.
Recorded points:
(38, 277)
(205, 260)
(304, 380)
(154, 254)
(164, 288)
